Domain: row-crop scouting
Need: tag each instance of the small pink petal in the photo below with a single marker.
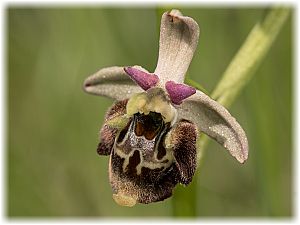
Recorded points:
(143, 79)
(179, 92)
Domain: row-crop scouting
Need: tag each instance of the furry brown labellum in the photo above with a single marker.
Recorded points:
(148, 156)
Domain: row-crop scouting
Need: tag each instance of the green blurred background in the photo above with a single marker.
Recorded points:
(52, 165)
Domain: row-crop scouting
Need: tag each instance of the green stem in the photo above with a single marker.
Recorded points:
(250, 56)
(246, 61)
(236, 76)
(184, 201)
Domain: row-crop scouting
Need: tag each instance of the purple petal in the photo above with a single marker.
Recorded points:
(143, 79)
(179, 92)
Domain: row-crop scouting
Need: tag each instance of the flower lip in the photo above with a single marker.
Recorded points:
(143, 79)
(179, 92)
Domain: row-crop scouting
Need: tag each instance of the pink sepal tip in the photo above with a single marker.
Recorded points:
(179, 92)
(141, 78)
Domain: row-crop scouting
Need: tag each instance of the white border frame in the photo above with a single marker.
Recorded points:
(4, 114)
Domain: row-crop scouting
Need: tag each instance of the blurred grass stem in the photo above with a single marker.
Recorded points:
(236, 76)
(244, 64)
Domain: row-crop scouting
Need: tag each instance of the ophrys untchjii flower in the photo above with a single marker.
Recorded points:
(151, 131)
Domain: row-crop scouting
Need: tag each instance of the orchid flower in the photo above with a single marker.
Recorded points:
(151, 131)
